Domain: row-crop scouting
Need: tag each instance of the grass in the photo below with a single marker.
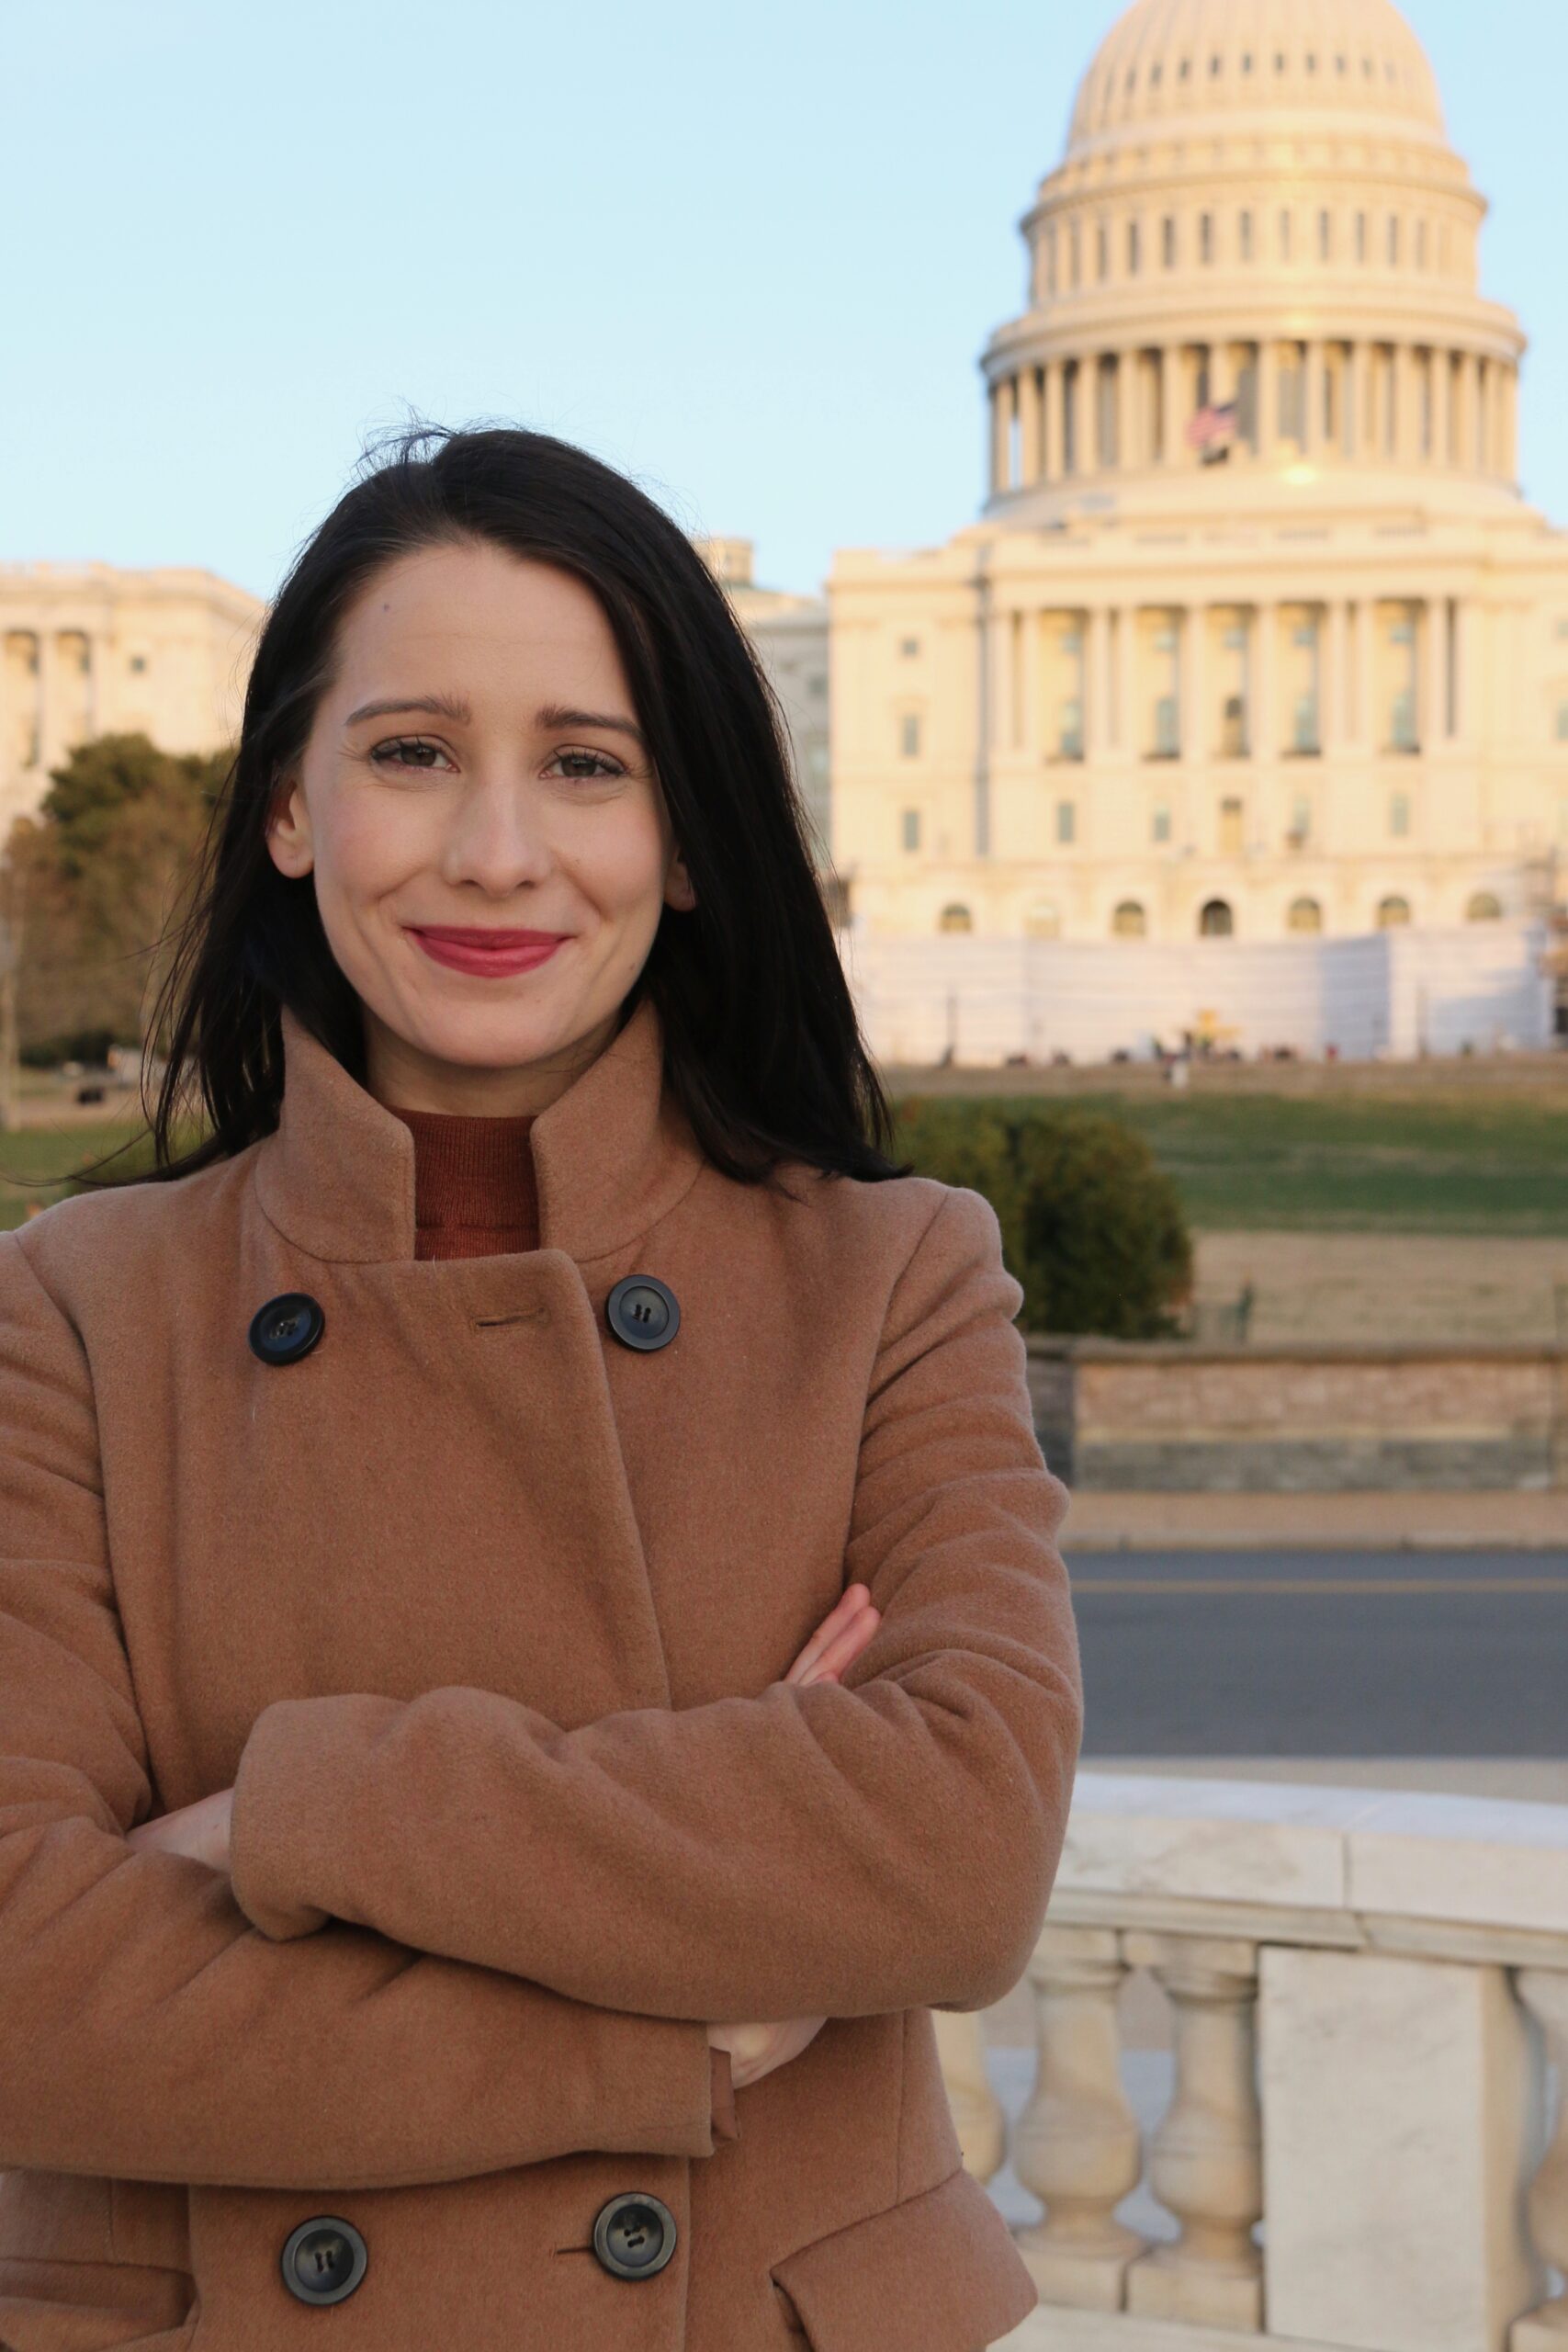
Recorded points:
(1471, 1164)
(1475, 1163)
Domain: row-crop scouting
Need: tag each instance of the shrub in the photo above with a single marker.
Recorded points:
(1091, 1226)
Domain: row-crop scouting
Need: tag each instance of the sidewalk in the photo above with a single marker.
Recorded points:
(1502, 1521)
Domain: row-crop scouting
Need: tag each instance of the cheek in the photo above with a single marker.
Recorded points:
(363, 850)
(618, 861)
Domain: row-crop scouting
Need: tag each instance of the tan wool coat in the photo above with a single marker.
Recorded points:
(485, 1613)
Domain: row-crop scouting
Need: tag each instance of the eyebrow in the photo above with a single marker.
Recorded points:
(552, 715)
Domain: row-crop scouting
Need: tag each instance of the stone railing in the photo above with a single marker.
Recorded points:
(1365, 2141)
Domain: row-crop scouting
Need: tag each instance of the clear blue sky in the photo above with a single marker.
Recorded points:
(749, 253)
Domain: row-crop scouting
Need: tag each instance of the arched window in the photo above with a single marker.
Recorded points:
(955, 918)
(1392, 911)
(1215, 920)
(1129, 921)
(1484, 906)
(1043, 920)
(1306, 914)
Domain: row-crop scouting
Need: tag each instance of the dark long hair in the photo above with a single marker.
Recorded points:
(762, 1046)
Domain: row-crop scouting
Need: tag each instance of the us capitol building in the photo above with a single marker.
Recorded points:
(1242, 707)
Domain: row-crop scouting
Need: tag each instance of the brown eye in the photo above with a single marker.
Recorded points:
(407, 752)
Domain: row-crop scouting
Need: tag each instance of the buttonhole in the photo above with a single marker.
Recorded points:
(523, 1314)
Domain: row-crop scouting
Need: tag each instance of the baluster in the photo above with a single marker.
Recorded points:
(977, 2114)
(1077, 2145)
(1544, 1992)
(1205, 2160)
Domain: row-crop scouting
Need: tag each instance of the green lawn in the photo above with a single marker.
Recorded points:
(1492, 1164)
(1476, 1163)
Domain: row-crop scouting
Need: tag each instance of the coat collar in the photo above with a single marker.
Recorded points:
(612, 1155)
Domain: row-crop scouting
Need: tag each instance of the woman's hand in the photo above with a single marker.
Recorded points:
(756, 2050)
(201, 1831)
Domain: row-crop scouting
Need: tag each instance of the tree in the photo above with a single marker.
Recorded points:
(103, 866)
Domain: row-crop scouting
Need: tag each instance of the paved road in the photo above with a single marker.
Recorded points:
(1324, 1653)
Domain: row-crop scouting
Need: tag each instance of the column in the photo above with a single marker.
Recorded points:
(1127, 680)
(1077, 2145)
(1407, 421)
(1129, 439)
(1029, 435)
(1169, 402)
(51, 750)
(1510, 452)
(1263, 720)
(1096, 685)
(1312, 397)
(1433, 722)
(1205, 2160)
(1363, 728)
(1467, 624)
(1192, 713)
(1267, 399)
(1222, 372)
(1356, 382)
(1544, 1992)
(1441, 418)
(1335, 730)
(1053, 463)
(998, 439)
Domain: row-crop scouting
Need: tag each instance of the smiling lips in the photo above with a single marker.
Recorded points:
(490, 952)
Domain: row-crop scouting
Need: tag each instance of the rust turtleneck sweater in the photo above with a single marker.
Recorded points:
(475, 1197)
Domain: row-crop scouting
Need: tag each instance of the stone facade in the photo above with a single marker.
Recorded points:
(1256, 638)
(90, 649)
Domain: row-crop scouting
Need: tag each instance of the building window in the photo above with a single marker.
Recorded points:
(1205, 236)
(1215, 920)
(955, 918)
(1325, 236)
(1232, 819)
(1244, 237)
(1043, 920)
(911, 828)
(1284, 234)
(1159, 824)
(1167, 240)
(909, 735)
(1075, 253)
(1300, 822)
(1132, 249)
(1399, 813)
(1394, 241)
(1563, 722)
(909, 647)
(1360, 236)
(1067, 820)
(1306, 914)
(1392, 913)
(1484, 906)
(1129, 921)
(1420, 244)
(1069, 728)
(1167, 742)
(1102, 251)
(139, 662)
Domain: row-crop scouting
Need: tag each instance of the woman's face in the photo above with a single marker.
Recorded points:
(475, 782)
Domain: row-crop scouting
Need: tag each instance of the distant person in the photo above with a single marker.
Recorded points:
(533, 1646)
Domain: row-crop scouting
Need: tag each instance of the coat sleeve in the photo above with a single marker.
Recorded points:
(833, 1849)
(147, 2029)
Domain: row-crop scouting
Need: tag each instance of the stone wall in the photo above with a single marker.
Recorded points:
(1178, 1418)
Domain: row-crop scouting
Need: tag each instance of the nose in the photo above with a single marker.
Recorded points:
(497, 837)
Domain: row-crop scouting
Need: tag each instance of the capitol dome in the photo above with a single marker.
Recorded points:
(1258, 247)
(1170, 62)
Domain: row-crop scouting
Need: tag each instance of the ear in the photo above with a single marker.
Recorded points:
(677, 891)
(288, 837)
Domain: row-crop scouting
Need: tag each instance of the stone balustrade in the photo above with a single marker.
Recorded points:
(1365, 2141)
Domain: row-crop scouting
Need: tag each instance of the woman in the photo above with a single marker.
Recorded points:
(534, 1649)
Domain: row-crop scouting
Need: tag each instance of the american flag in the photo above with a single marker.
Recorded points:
(1212, 430)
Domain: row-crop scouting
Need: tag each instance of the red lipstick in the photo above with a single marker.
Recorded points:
(490, 951)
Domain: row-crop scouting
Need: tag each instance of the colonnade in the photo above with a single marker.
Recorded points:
(1385, 674)
(1128, 408)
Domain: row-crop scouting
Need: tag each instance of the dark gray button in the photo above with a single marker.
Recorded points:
(325, 2260)
(634, 2234)
(643, 1312)
(287, 1328)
